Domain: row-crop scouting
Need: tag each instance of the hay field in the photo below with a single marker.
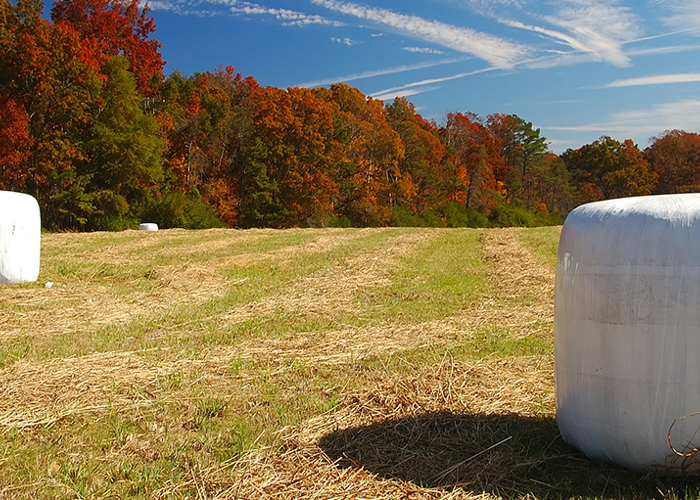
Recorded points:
(301, 364)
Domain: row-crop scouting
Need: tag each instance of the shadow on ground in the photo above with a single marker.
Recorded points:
(505, 455)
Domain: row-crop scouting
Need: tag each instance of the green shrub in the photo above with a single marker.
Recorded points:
(510, 216)
(113, 213)
(457, 215)
(449, 214)
(175, 209)
(513, 216)
(110, 222)
(338, 221)
(405, 217)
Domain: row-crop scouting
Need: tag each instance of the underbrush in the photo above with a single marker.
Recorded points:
(454, 214)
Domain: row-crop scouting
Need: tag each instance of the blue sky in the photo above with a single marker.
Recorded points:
(576, 69)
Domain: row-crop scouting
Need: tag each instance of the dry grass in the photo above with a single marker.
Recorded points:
(286, 365)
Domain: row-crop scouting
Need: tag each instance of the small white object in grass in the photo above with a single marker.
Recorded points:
(48, 284)
(20, 237)
(148, 226)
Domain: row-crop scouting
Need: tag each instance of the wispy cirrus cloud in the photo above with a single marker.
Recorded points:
(656, 80)
(379, 72)
(596, 28)
(495, 50)
(223, 7)
(423, 50)
(684, 115)
(684, 14)
(671, 49)
(420, 86)
(384, 96)
(599, 27)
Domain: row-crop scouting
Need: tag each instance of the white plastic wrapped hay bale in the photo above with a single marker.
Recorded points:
(148, 226)
(20, 238)
(627, 331)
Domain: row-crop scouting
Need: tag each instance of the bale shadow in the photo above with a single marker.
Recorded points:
(505, 455)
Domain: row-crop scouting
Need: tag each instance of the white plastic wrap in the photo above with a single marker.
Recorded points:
(148, 226)
(627, 331)
(20, 238)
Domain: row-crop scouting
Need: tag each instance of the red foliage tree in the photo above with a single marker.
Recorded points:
(111, 28)
(15, 143)
(478, 155)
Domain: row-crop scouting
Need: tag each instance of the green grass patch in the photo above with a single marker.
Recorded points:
(436, 279)
(543, 243)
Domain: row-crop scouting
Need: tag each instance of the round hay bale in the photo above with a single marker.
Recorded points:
(627, 331)
(20, 237)
(148, 226)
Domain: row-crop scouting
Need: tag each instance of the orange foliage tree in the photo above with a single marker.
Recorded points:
(369, 178)
(419, 186)
(296, 158)
(675, 157)
(607, 168)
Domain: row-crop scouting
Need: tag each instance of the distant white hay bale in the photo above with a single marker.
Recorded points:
(148, 226)
(627, 332)
(20, 237)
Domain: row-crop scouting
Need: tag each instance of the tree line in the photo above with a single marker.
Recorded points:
(91, 127)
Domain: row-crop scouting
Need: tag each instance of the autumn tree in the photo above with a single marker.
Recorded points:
(110, 28)
(15, 144)
(675, 157)
(123, 151)
(212, 150)
(293, 176)
(607, 168)
(369, 174)
(551, 185)
(505, 128)
(477, 156)
(523, 150)
(419, 184)
(44, 71)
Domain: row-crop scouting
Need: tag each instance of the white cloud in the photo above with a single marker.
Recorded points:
(685, 14)
(635, 124)
(486, 7)
(181, 9)
(432, 81)
(566, 59)
(423, 50)
(347, 41)
(421, 86)
(384, 96)
(593, 27)
(213, 7)
(662, 50)
(288, 17)
(656, 80)
(497, 51)
(379, 72)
